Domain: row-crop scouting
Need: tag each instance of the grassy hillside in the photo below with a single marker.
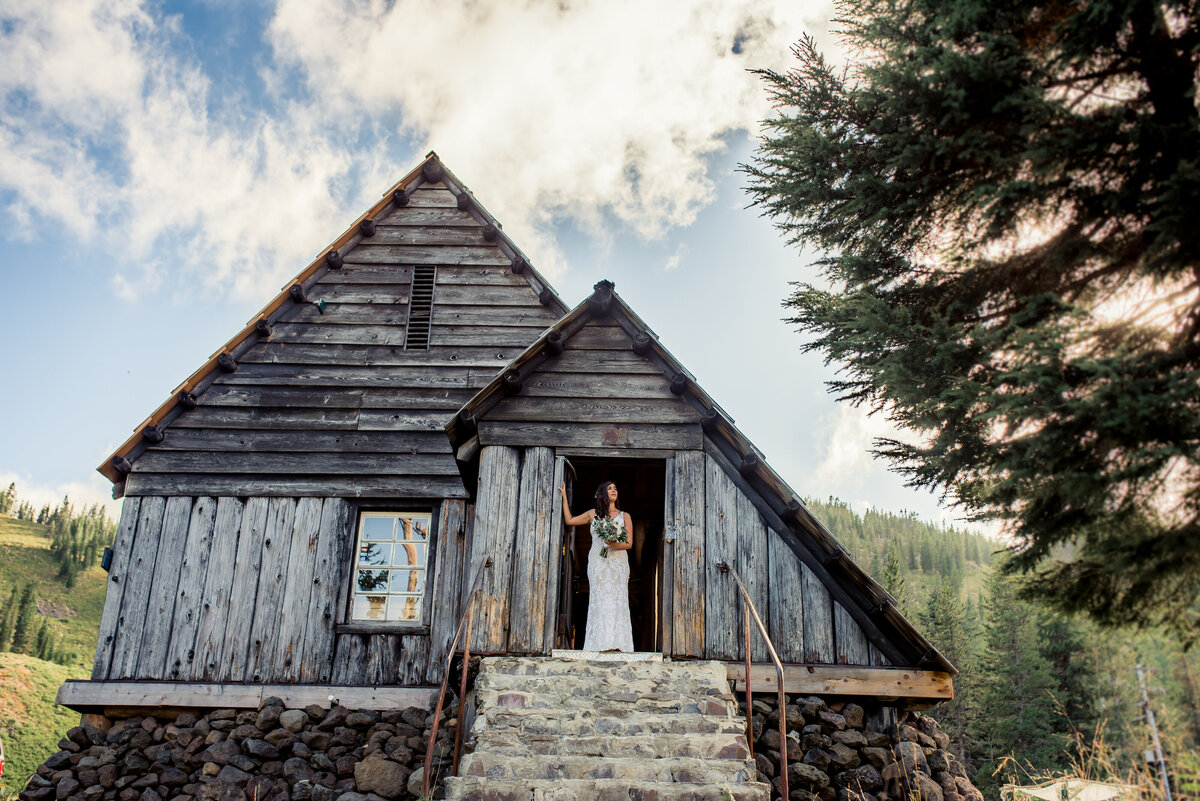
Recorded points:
(30, 722)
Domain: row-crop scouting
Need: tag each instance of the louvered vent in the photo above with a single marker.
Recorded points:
(420, 308)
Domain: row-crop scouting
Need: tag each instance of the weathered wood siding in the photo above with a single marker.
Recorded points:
(330, 403)
(232, 590)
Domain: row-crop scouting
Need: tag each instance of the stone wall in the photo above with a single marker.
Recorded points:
(842, 751)
(268, 754)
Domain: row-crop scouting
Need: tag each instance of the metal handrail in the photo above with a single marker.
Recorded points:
(462, 687)
(725, 567)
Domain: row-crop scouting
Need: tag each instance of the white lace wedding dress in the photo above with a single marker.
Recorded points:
(608, 624)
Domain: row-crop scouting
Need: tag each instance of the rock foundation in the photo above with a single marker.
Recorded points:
(843, 751)
(268, 754)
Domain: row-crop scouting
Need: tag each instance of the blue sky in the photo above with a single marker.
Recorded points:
(169, 166)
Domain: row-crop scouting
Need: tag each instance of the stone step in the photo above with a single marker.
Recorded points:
(480, 789)
(711, 672)
(576, 722)
(701, 746)
(702, 685)
(615, 702)
(666, 769)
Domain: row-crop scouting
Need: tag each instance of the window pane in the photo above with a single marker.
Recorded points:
(413, 528)
(378, 528)
(407, 581)
(409, 554)
(370, 607)
(403, 608)
(374, 553)
(372, 580)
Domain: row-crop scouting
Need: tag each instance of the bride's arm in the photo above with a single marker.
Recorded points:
(576, 520)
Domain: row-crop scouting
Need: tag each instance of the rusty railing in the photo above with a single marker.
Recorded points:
(466, 620)
(750, 611)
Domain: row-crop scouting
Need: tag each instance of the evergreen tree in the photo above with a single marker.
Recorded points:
(1006, 198)
(947, 626)
(8, 618)
(23, 631)
(893, 579)
(8, 499)
(1064, 646)
(1016, 689)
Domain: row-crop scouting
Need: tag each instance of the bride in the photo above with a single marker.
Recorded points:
(608, 624)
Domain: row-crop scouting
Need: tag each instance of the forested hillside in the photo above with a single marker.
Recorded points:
(1038, 693)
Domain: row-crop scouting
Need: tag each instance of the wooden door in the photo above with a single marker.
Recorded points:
(564, 537)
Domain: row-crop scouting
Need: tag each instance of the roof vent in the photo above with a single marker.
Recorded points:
(420, 308)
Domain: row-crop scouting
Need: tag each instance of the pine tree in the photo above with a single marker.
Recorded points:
(1016, 688)
(8, 618)
(8, 499)
(893, 579)
(23, 631)
(1006, 196)
(948, 627)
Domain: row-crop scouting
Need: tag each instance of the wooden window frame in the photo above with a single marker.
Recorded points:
(350, 626)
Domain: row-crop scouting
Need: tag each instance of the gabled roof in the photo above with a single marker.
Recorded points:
(866, 601)
(430, 171)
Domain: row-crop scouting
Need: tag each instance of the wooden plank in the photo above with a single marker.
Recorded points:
(591, 435)
(532, 554)
(489, 355)
(495, 526)
(288, 642)
(89, 695)
(753, 559)
(252, 440)
(413, 659)
(426, 198)
(384, 294)
(722, 600)
(621, 387)
(410, 215)
(818, 618)
(852, 646)
(285, 397)
(258, 463)
(350, 659)
(109, 619)
(338, 314)
(317, 333)
(139, 578)
(404, 419)
(556, 552)
(589, 362)
(330, 578)
(431, 235)
(397, 274)
(213, 609)
(666, 616)
(479, 335)
(441, 398)
(235, 644)
(878, 657)
(369, 253)
(180, 662)
(600, 337)
(785, 618)
(160, 607)
(383, 659)
(264, 417)
(345, 376)
(323, 486)
(872, 682)
(485, 276)
(512, 317)
(268, 604)
(446, 592)
(486, 296)
(688, 590)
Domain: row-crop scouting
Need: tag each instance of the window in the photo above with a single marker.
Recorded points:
(389, 577)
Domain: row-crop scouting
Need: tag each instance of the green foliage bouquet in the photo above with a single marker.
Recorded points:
(608, 530)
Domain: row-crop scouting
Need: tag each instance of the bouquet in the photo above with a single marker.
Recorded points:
(608, 530)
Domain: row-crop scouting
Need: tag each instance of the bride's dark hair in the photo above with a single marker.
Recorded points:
(602, 500)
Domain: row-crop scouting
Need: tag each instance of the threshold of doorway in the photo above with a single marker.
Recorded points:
(607, 656)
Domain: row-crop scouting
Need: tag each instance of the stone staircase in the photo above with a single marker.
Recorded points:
(552, 729)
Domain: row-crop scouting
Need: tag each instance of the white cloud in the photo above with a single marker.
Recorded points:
(676, 258)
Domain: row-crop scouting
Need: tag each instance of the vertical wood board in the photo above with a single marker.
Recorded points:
(818, 619)
(180, 661)
(134, 603)
(495, 526)
(689, 573)
(532, 553)
(213, 611)
(331, 573)
(447, 591)
(296, 607)
(160, 608)
(666, 617)
(753, 560)
(268, 606)
(557, 553)
(350, 659)
(722, 600)
(122, 551)
(235, 644)
(785, 620)
(852, 645)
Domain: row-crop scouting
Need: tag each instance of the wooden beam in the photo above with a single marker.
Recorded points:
(884, 683)
(87, 696)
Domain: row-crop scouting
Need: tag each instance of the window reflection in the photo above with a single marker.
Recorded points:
(393, 553)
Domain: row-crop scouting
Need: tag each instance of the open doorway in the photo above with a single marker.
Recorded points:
(640, 483)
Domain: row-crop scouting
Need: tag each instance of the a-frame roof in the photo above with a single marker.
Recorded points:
(399, 200)
(872, 608)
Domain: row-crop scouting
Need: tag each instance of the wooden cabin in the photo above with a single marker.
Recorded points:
(309, 508)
